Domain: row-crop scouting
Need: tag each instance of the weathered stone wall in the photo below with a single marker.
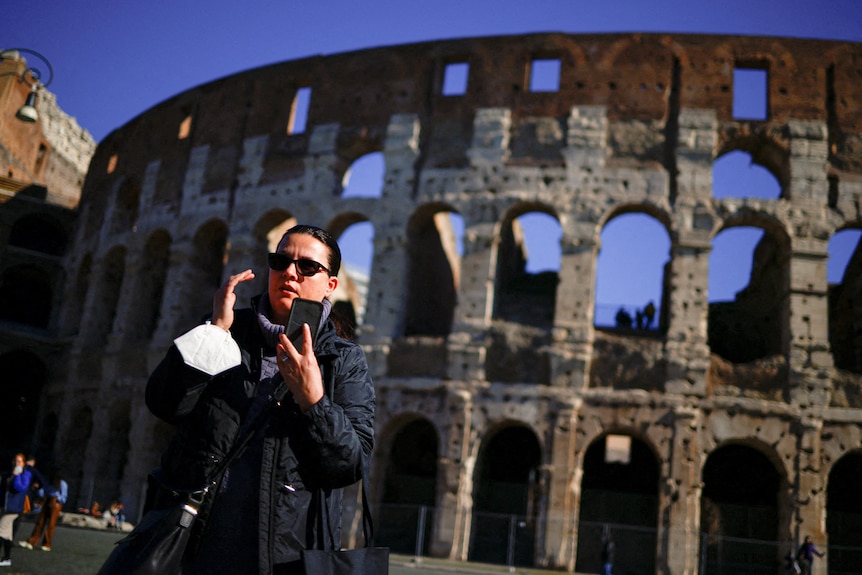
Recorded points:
(634, 127)
(54, 152)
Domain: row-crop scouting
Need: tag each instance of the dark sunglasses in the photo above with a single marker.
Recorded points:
(304, 266)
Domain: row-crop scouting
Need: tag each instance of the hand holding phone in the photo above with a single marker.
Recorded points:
(303, 311)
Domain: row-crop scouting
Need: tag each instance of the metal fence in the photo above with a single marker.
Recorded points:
(736, 556)
(504, 539)
(635, 548)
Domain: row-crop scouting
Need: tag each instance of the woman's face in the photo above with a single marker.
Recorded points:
(287, 285)
(19, 461)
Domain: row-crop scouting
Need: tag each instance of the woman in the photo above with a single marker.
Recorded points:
(275, 498)
(15, 486)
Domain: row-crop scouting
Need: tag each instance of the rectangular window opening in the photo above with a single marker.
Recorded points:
(750, 93)
(299, 111)
(185, 128)
(618, 449)
(40, 157)
(455, 79)
(545, 75)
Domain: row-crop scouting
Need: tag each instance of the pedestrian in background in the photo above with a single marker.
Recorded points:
(806, 554)
(56, 493)
(14, 488)
(608, 550)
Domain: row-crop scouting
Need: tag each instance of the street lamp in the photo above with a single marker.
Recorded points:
(32, 77)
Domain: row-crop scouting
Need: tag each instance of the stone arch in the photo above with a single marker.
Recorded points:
(506, 498)
(519, 296)
(754, 325)
(73, 455)
(361, 179)
(106, 296)
(113, 458)
(765, 150)
(24, 376)
(409, 491)
(844, 511)
(125, 207)
(74, 306)
(658, 311)
(204, 272)
(743, 482)
(351, 147)
(434, 271)
(26, 296)
(845, 313)
(620, 495)
(40, 233)
(150, 287)
(351, 297)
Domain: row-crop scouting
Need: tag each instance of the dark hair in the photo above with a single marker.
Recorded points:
(334, 263)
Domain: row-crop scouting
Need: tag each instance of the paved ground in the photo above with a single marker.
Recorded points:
(81, 551)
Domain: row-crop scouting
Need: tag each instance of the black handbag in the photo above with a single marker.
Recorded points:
(156, 545)
(368, 560)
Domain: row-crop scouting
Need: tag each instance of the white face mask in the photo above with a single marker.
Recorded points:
(19, 469)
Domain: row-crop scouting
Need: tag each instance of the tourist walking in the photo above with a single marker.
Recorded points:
(56, 493)
(13, 493)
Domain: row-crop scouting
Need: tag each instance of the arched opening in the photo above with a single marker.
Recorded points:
(40, 234)
(74, 307)
(72, 455)
(844, 514)
(364, 177)
(739, 511)
(619, 495)
(357, 252)
(528, 264)
(410, 490)
(149, 289)
(527, 275)
(737, 175)
(204, 272)
(434, 270)
(112, 461)
(434, 249)
(506, 499)
(844, 273)
(631, 273)
(747, 274)
(26, 296)
(125, 209)
(101, 321)
(24, 376)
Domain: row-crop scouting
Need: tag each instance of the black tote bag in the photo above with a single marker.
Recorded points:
(368, 560)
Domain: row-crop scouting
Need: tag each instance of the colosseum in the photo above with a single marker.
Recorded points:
(512, 427)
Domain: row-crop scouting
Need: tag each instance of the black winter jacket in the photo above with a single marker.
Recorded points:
(306, 457)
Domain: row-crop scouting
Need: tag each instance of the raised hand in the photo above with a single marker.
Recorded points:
(225, 298)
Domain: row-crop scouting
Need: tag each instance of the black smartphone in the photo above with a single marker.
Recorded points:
(303, 311)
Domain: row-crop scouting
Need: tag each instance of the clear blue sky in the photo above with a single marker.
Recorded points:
(114, 60)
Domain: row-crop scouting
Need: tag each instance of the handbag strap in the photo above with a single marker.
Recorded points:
(367, 523)
(273, 400)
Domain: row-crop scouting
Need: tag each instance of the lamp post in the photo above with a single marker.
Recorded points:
(32, 77)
